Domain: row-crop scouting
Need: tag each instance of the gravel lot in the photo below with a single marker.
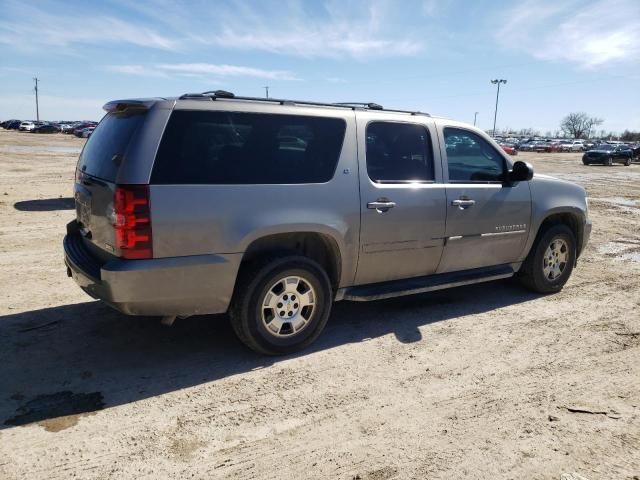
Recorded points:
(488, 381)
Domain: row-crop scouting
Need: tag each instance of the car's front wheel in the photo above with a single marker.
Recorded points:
(609, 162)
(551, 260)
(627, 162)
(281, 305)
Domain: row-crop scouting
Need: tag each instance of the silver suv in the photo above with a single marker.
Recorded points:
(272, 209)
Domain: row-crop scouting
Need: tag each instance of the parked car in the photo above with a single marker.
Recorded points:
(573, 146)
(608, 154)
(6, 124)
(189, 206)
(13, 124)
(84, 132)
(510, 149)
(79, 127)
(66, 127)
(27, 126)
(47, 128)
(541, 147)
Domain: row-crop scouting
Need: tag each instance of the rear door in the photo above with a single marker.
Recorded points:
(488, 221)
(402, 198)
(102, 157)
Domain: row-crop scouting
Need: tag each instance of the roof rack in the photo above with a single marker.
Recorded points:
(223, 94)
(370, 105)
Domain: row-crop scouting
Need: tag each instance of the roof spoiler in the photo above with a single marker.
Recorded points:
(122, 106)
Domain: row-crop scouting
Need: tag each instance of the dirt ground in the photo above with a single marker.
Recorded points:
(488, 381)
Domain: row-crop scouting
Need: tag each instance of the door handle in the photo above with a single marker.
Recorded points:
(381, 205)
(463, 203)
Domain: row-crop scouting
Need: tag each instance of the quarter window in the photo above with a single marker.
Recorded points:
(470, 158)
(204, 147)
(399, 153)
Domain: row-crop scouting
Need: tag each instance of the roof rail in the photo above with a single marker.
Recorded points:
(223, 94)
(370, 105)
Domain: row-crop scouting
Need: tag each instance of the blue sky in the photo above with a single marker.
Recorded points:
(437, 56)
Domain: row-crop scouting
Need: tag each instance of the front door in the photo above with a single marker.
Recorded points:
(402, 199)
(488, 220)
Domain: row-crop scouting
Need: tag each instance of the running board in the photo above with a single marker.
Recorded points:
(410, 286)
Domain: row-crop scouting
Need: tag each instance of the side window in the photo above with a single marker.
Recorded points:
(399, 152)
(471, 158)
(204, 147)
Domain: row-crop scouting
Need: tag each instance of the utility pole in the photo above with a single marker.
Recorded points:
(495, 115)
(37, 108)
(475, 116)
(266, 89)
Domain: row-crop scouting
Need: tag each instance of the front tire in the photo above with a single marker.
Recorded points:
(627, 162)
(281, 305)
(609, 162)
(551, 260)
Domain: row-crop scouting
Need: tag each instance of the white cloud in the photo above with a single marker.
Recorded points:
(317, 42)
(28, 28)
(227, 71)
(333, 28)
(139, 70)
(344, 29)
(201, 70)
(587, 34)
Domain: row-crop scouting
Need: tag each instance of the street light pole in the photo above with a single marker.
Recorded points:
(495, 115)
(475, 116)
(266, 89)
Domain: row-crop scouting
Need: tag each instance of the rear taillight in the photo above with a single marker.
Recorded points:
(132, 221)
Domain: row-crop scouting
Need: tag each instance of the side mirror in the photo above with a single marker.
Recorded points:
(521, 172)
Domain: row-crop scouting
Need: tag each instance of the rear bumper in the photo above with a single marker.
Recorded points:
(190, 285)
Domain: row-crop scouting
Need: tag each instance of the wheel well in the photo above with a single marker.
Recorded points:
(568, 219)
(316, 246)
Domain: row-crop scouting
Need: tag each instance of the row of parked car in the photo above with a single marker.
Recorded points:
(596, 151)
(79, 129)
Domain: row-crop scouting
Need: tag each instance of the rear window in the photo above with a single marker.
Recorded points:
(204, 147)
(103, 152)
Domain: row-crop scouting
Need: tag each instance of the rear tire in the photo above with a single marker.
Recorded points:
(627, 162)
(550, 261)
(281, 305)
(609, 162)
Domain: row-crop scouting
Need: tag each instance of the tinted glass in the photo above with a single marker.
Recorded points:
(471, 158)
(102, 153)
(202, 147)
(399, 152)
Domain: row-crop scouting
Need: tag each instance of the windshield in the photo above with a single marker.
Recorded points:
(605, 147)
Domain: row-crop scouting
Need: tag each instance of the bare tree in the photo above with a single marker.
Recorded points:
(629, 136)
(579, 125)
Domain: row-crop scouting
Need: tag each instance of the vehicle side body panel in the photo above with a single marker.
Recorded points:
(551, 196)
(493, 231)
(409, 236)
(226, 219)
